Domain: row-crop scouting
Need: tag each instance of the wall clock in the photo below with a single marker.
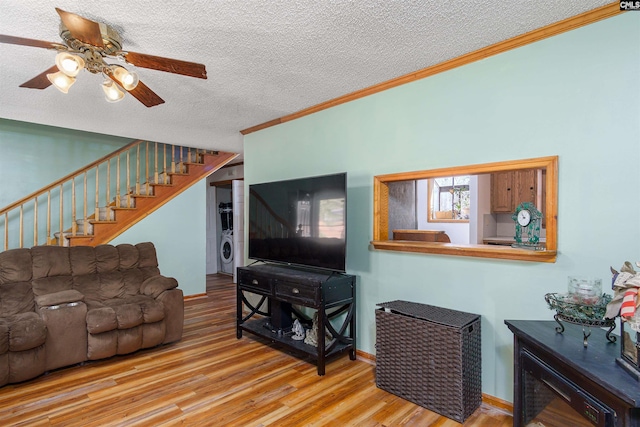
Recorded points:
(528, 220)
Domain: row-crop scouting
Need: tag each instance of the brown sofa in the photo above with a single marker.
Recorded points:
(64, 305)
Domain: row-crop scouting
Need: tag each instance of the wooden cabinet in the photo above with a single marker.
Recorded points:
(501, 192)
(332, 295)
(510, 188)
(526, 188)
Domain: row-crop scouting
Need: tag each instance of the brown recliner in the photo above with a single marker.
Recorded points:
(22, 331)
(92, 303)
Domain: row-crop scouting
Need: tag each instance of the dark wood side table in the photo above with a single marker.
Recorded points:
(332, 295)
(551, 366)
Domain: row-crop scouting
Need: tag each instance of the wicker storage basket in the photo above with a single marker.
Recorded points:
(430, 356)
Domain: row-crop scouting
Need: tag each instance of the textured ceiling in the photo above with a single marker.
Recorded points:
(264, 59)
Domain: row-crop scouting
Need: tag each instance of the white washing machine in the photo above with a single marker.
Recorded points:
(226, 252)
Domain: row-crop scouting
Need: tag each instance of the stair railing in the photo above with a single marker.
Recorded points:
(69, 206)
(265, 222)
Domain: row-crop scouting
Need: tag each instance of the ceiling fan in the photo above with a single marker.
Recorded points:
(87, 45)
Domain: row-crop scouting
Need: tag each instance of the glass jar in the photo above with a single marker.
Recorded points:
(585, 290)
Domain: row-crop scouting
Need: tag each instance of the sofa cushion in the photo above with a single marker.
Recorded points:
(56, 298)
(24, 365)
(128, 314)
(93, 303)
(153, 334)
(26, 331)
(50, 261)
(15, 266)
(16, 298)
(152, 310)
(129, 256)
(148, 257)
(133, 279)
(156, 285)
(130, 340)
(100, 318)
(83, 260)
(111, 285)
(107, 258)
(100, 346)
(148, 272)
(88, 285)
(48, 285)
(4, 337)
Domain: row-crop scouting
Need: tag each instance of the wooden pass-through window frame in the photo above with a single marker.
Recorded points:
(382, 240)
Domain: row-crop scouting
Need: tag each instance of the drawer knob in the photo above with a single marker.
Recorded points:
(254, 282)
(295, 290)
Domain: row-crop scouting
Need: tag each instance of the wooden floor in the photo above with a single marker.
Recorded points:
(210, 378)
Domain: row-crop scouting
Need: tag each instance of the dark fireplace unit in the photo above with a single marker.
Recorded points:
(560, 382)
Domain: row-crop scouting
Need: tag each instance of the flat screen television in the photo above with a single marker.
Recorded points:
(300, 222)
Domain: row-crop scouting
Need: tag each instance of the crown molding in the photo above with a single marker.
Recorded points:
(586, 18)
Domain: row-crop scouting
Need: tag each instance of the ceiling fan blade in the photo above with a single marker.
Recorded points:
(40, 81)
(28, 42)
(145, 95)
(142, 93)
(169, 65)
(83, 29)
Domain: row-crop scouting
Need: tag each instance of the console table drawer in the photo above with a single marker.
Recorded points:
(294, 292)
(257, 283)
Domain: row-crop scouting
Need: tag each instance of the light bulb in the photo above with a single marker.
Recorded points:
(128, 79)
(111, 91)
(61, 81)
(69, 64)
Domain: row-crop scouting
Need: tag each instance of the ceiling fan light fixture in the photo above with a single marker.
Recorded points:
(128, 79)
(86, 44)
(69, 64)
(111, 91)
(61, 81)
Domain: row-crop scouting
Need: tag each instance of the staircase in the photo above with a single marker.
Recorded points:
(95, 204)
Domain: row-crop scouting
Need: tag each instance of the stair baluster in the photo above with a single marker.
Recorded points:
(132, 204)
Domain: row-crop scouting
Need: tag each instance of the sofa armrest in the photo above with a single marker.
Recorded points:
(156, 285)
(57, 298)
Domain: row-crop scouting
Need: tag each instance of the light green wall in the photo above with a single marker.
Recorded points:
(178, 231)
(33, 156)
(575, 95)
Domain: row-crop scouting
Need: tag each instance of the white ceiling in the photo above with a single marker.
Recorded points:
(264, 59)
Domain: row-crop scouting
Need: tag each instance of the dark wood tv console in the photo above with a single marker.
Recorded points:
(283, 289)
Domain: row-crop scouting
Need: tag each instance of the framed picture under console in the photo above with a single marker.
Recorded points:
(286, 294)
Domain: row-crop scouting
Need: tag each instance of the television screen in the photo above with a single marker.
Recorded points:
(300, 221)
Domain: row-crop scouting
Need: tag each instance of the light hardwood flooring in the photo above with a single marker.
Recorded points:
(210, 378)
